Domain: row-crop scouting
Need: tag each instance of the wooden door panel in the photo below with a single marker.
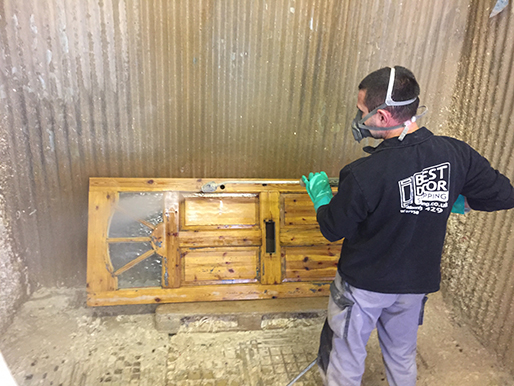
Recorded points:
(311, 263)
(220, 211)
(165, 240)
(229, 237)
(299, 224)
(220, 265)
(297, 236)
(298, 210)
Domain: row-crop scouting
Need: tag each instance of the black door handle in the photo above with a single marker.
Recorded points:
(270, 236)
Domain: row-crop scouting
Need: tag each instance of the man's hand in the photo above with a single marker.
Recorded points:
(318, 187)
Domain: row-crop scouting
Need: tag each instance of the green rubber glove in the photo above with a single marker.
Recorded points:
(460, 206)
(318, 187)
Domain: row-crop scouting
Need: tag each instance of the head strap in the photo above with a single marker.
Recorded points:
(389, 100)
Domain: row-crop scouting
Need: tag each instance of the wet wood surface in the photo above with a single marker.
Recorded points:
(212, 246)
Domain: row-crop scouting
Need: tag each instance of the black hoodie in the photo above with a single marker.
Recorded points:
(392, 208)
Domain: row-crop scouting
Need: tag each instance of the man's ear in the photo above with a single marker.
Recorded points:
(385, 118)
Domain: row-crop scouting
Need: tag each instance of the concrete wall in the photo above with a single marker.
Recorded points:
(478, 264)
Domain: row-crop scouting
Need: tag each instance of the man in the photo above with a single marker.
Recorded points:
(391, 208)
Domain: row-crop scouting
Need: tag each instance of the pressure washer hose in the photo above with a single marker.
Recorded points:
(302, 373)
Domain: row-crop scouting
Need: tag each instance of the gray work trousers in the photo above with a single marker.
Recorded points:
(352, 315)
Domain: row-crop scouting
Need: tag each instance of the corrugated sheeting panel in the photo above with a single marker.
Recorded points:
(218, 88)
(12, 283)
(478, 266)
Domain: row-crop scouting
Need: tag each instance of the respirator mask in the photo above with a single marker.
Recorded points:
(360, 130)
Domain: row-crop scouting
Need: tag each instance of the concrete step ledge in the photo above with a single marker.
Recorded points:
(240, 315)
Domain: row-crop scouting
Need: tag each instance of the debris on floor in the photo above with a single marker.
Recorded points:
(56, 340)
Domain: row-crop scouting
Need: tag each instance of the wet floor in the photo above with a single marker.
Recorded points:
(56, 340)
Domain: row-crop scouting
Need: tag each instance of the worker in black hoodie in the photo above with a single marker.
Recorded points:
(392, 208)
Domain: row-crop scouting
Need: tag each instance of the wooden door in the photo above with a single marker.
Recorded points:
(168, 240)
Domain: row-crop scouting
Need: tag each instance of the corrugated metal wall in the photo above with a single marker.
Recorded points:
(12, 275)
(211, 88)
(479, 259)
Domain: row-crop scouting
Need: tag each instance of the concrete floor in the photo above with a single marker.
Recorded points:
(56, 340)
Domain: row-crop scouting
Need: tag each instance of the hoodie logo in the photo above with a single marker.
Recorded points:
(427, 190)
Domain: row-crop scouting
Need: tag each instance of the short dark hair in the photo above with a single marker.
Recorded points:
(405, 87)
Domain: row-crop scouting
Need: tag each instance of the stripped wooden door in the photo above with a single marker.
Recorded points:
(168, 240)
